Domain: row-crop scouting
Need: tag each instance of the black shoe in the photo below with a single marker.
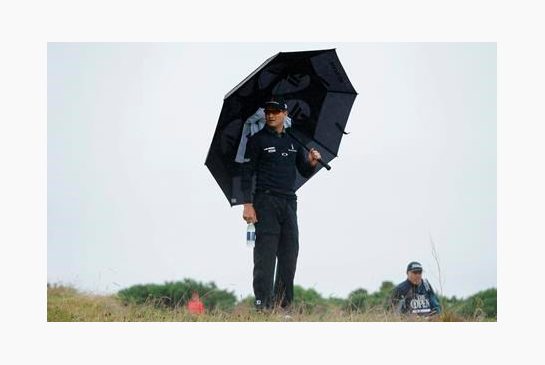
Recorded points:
(288, 309)
(260, 306)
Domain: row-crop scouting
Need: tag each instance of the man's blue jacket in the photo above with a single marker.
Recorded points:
(415, 299)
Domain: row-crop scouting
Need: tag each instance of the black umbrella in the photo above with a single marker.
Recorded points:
(319, 97)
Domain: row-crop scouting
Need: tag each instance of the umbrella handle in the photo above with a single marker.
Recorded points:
(324, 164)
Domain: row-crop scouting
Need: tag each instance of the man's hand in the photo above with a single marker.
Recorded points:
(249, 213)
(313, 157)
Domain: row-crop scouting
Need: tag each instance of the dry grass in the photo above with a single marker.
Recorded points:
(65, 304)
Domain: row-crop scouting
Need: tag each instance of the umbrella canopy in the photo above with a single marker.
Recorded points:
(319, 96)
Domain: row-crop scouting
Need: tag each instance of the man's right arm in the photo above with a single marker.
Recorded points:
(248, 169)
(251, 158)
(397, 300)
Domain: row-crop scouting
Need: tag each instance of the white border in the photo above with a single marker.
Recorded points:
(27, 26)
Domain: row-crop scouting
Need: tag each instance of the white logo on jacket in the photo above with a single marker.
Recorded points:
(420, 303)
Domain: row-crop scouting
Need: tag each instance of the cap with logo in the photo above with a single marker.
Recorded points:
(414, 266)
(275, 103)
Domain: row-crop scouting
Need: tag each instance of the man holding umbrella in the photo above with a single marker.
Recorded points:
(274, 156)
(320, 97)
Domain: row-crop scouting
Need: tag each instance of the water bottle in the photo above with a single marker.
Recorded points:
(250, 235)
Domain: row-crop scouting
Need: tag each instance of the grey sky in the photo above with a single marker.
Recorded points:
(130, 200)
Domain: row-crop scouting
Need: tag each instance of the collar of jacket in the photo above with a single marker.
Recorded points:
(272, 131)
(412, 285)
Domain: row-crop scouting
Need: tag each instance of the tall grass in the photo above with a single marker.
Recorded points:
(66, 304)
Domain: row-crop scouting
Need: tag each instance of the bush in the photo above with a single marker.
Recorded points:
(174, 294)
(307, 299)
(484, 303)
(361, 300)
(358, 300)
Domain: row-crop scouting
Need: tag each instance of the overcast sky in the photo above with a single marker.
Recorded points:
(131, 202)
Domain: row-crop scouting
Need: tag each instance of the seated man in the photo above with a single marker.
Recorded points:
(415, 295)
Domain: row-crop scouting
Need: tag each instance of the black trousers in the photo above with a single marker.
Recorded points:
(277, 238)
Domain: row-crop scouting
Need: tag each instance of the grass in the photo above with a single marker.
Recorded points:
(66, 304)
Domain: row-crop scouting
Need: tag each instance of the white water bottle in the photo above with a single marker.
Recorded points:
(250, 235)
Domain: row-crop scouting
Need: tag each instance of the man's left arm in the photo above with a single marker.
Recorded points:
(307, 162)
(434, 301)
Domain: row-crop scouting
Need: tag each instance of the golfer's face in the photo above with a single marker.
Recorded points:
(274, 117)
(415, 277)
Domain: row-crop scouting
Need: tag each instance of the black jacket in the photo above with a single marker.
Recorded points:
(273, 158)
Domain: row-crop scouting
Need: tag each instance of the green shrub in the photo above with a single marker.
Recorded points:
(337, 302)
(484, 303)
(361, 300)
(307, 299)
(175, 294)
(358, 300)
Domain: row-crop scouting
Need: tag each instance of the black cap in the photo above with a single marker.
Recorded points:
(275, 103)
(414, 266)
